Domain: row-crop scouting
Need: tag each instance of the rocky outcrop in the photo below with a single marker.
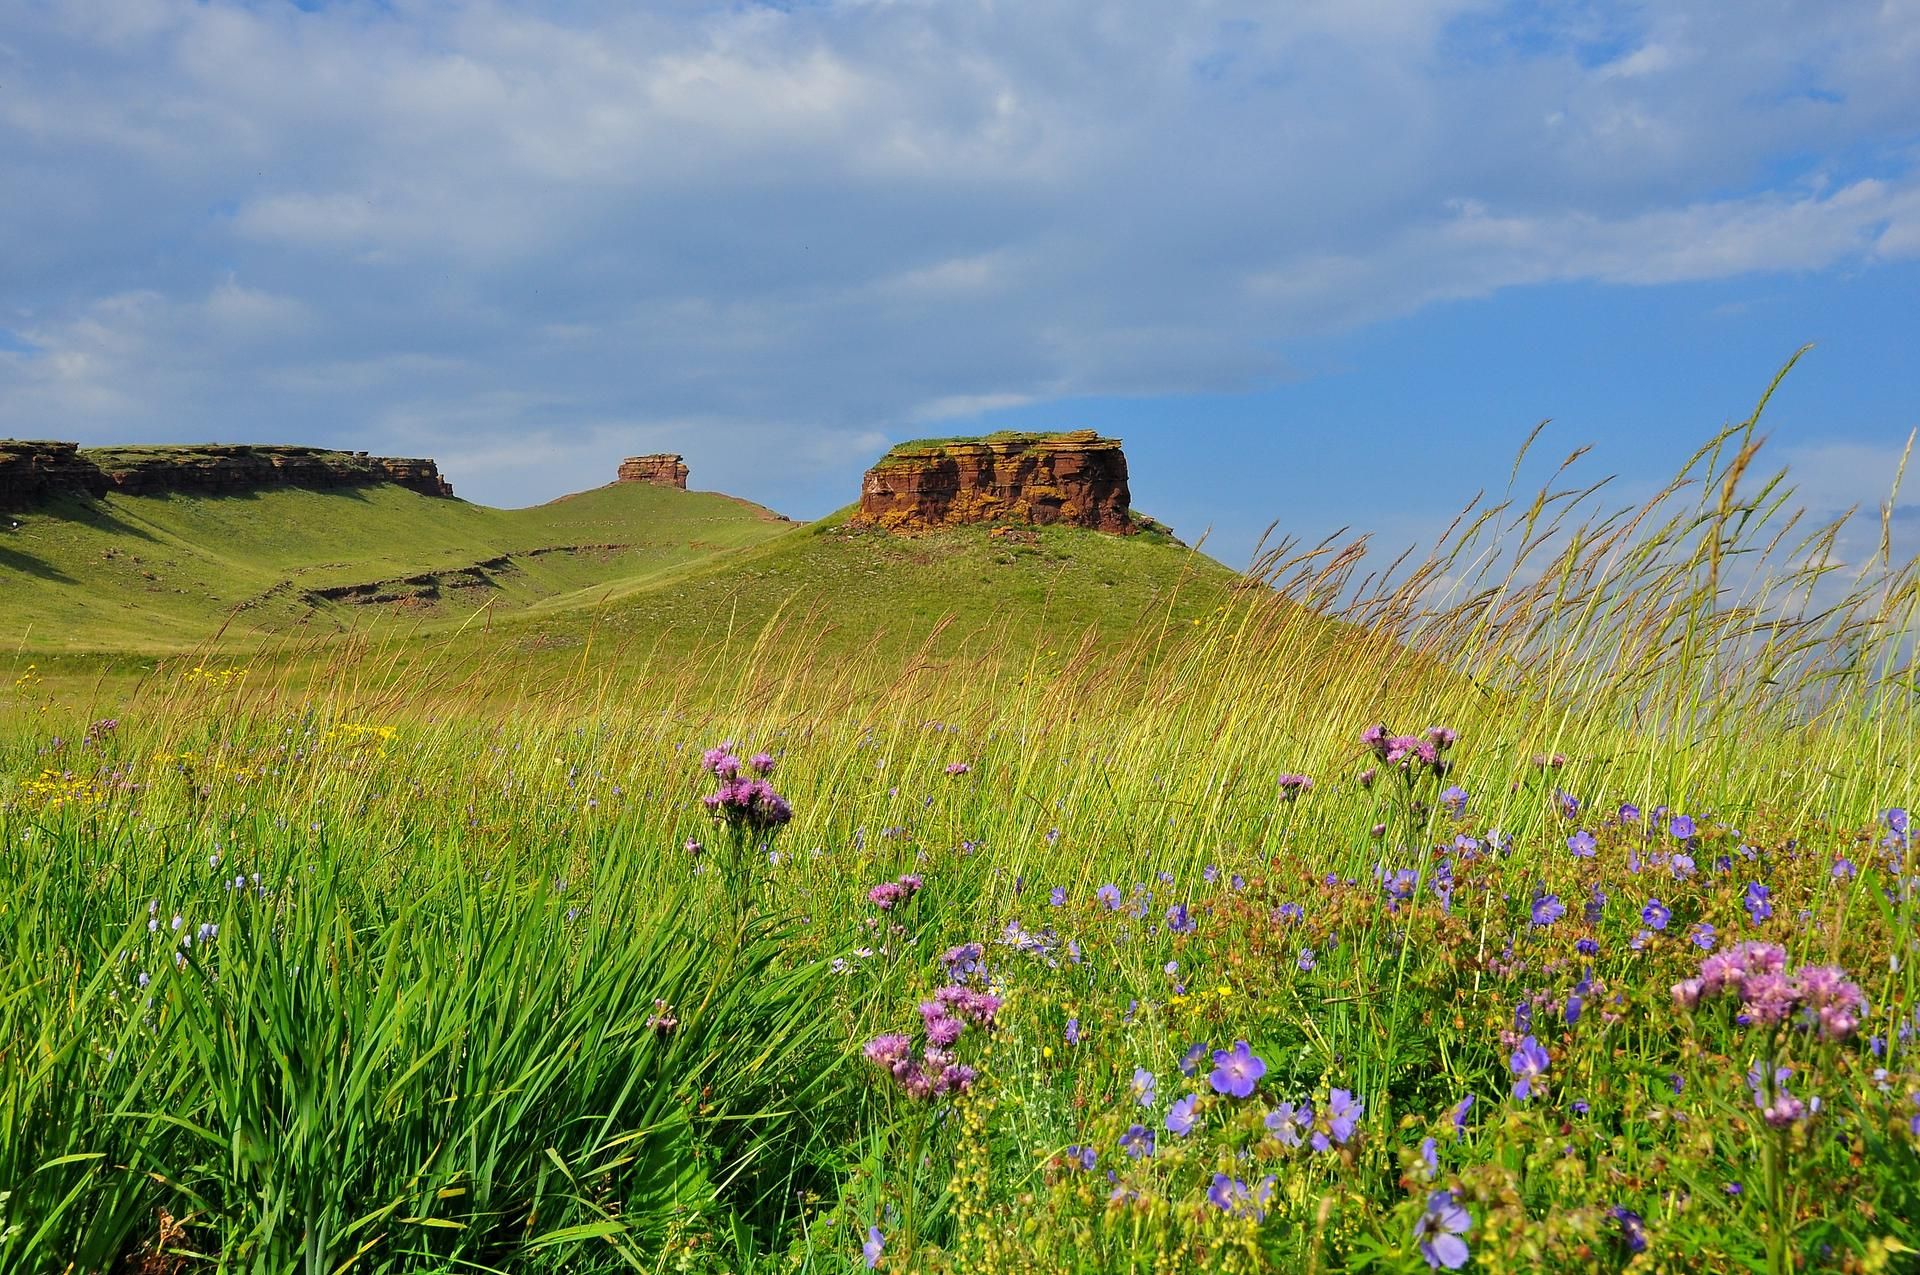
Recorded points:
(1077, 478)
(662, 469)
(34, 471)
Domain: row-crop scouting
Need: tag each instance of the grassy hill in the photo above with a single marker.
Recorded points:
(158, 573)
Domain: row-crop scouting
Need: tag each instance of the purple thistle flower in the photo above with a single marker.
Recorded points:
(1287, 1122)
(1236, 1071)
(1439, 1230)
(958, 768)
(1529, 1063)
(1180, 1116)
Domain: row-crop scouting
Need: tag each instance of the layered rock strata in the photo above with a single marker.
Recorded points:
(1077, 478)
(34, 471)
(663, 469)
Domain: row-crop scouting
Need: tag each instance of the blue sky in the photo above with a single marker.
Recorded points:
(1323, 262)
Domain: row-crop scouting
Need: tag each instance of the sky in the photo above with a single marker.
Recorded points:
(1324, 263)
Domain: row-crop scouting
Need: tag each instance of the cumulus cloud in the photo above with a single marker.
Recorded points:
(472, 226)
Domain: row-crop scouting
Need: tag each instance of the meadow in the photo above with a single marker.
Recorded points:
(1545, 903)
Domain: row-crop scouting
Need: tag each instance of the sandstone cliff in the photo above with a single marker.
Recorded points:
(663, 469)
(34, 471)
(1077, 478)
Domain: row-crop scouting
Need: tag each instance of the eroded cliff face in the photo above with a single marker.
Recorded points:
(1077, 478)
(663, 469)
(34, 471)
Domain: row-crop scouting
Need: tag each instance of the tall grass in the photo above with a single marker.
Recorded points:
(431, 1034)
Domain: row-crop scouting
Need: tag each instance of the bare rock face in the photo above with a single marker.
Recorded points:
(663, 469)
(34, 471)
(1076, 478)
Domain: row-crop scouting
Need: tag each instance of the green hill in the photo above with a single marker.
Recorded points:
(157, 573)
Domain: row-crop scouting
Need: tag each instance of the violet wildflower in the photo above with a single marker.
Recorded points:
(1180, 1116)
(1596, 906)
(1460, 1111)
(1057, 897)
(957, 768)
(1343, 1116)
(1292, 786)
(1137, 1141)
(1073, 1031)
(1843, 869)
(1681, 827)
(1178, 921)
(1702, 936)
(1629, 813)
(1287, 1122)
(1586, 947)
(1231, 1195)
(1191, 1062)
(1547, 909)
(1439, 1230)
(1759, 902)
(1430, 1156)
(1455, 800)
(1109, 895)
(1633, 1228)
(874, 1248)
(1656, 914)
(1236, 1071)
(1529, 1062)
(720, 762)
(1307, 960)
(1144, 1085)
(1582, 844)
(1082, 1158)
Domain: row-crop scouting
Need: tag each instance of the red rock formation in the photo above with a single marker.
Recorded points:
(663, 469)
(1078, 478)
(31, 472)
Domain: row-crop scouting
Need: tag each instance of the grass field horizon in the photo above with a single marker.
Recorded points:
(836, 901)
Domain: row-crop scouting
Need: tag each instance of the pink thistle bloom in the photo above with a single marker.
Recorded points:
(958, 768)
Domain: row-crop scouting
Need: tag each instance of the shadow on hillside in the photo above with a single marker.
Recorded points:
(26, 563)
(95, 514)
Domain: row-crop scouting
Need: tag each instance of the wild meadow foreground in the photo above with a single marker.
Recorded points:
(1548, 906)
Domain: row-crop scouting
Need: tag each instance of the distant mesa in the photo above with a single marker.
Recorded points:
(32, 471)
(662, 469)
(1075, 478)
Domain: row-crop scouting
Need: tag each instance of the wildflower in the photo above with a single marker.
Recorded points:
(1681, 827)
(692, 847)
(1073, 1031)
(762, 763)
(1896, 821)
(1178, 921)
(720, 762)
(1236, 1071)
(1629, 813)
(1460, 1111)
(1307, 960)
(1143, 1086)
(1702, 936)
(1633, 1228)
(958, 768)
(1343, 1116)
(1057, 897)
(1430, 1155)
(1191, 1062)
(1137, 1141)
(1292, 786)
(1230, 1195)
(1656, 914)
(1439, 1230)
(1082, 1158)
(1455, 800)
(748, 803)
(1843, 869)
(1759, 902)
(1586, 947)
(1528, 1063)
(875, 1246)
(1287, 1122)
(662, 1022)
(1596, 905)
(1582, 844)
(1109, 895)
(1547, 909)
(1681, 865)
(1779, 1108)
(1180, 1115)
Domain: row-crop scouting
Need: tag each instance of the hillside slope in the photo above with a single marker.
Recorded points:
(159, 573)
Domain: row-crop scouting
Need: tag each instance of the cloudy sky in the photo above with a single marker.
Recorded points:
(1322, 261)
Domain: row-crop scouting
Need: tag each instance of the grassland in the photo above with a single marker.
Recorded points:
(463, 957)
